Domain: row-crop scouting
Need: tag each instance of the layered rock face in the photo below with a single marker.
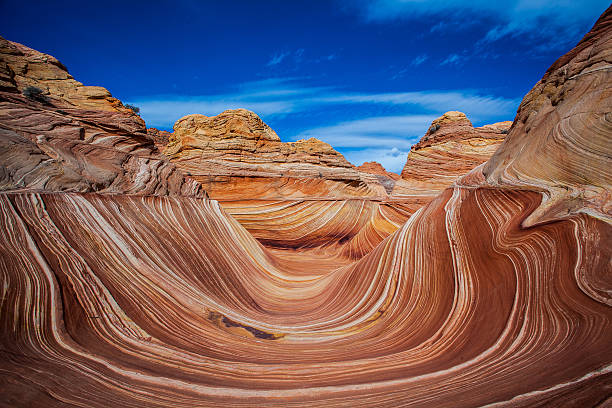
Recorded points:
(260, 180)
(345, 228)
(21, 67)
(568, 113)
(300, 194)
(450, 148)
(72, 137)
(166, 301)
(160, 137)
(377, 169)
(384, 177)
(236, 155)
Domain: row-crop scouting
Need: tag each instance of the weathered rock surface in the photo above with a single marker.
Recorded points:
(160, 137)
(305, 185)
(567, 114)
(235, 155)
(151, 301)
(450, 148)
(345, 228)
(238, 158)
(21, 67)
(386, 178)
(377, 169)
(71, 138)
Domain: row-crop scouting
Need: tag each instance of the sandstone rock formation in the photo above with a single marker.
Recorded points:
(160, 137)
(384, 177)
(73, 137)
(236, 155)
(345, 228)
(241, 161)
(568, 113)
(21, 67)
(166, 301)
(377, 169)
(450, 148)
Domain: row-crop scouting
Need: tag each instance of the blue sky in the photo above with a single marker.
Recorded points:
(366, 76)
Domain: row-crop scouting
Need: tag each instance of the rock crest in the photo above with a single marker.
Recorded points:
(72, 137)
(450, 148)
(235, 155)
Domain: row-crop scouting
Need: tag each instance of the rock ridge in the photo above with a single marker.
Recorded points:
(69, 137)
(450, 148)
(236, 155)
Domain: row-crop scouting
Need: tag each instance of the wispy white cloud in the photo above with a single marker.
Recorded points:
(419, 59)
(437, 27)
(398, 132)
(452, 59)
(385, 139)
(298, 54)
(399, 74)
(277, 58)
(325, 58)
(281, 96)
(557, 22)
(296, 57)
(477, 106)
(162, 112)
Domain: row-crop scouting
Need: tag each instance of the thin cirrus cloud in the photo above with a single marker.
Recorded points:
(400, 131)
(386, 138)
(478, 107)
(452, 59)
(277, 58)
(296, 56)
(419, 59)
(274, 97)
(555, 22)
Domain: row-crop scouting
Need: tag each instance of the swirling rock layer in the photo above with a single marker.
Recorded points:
(451, 148)
(221, 322)
(68, 139)
(567, 114)
(384, 177)
(349, 228)
(164, 300)
(300, 194)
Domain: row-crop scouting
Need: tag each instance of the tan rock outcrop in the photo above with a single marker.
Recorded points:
(159, 137)
(377, 169)
(22, 67)
(73, 137)
(386, 178)
(450, 148)
(235, 155)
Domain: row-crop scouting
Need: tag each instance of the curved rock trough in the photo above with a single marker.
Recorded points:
(216, 266)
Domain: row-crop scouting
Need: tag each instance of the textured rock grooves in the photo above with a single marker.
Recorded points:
(236, 155)
(73, 138)
(495, 293)
(450, 148)
(305, 194)
(102, 300)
